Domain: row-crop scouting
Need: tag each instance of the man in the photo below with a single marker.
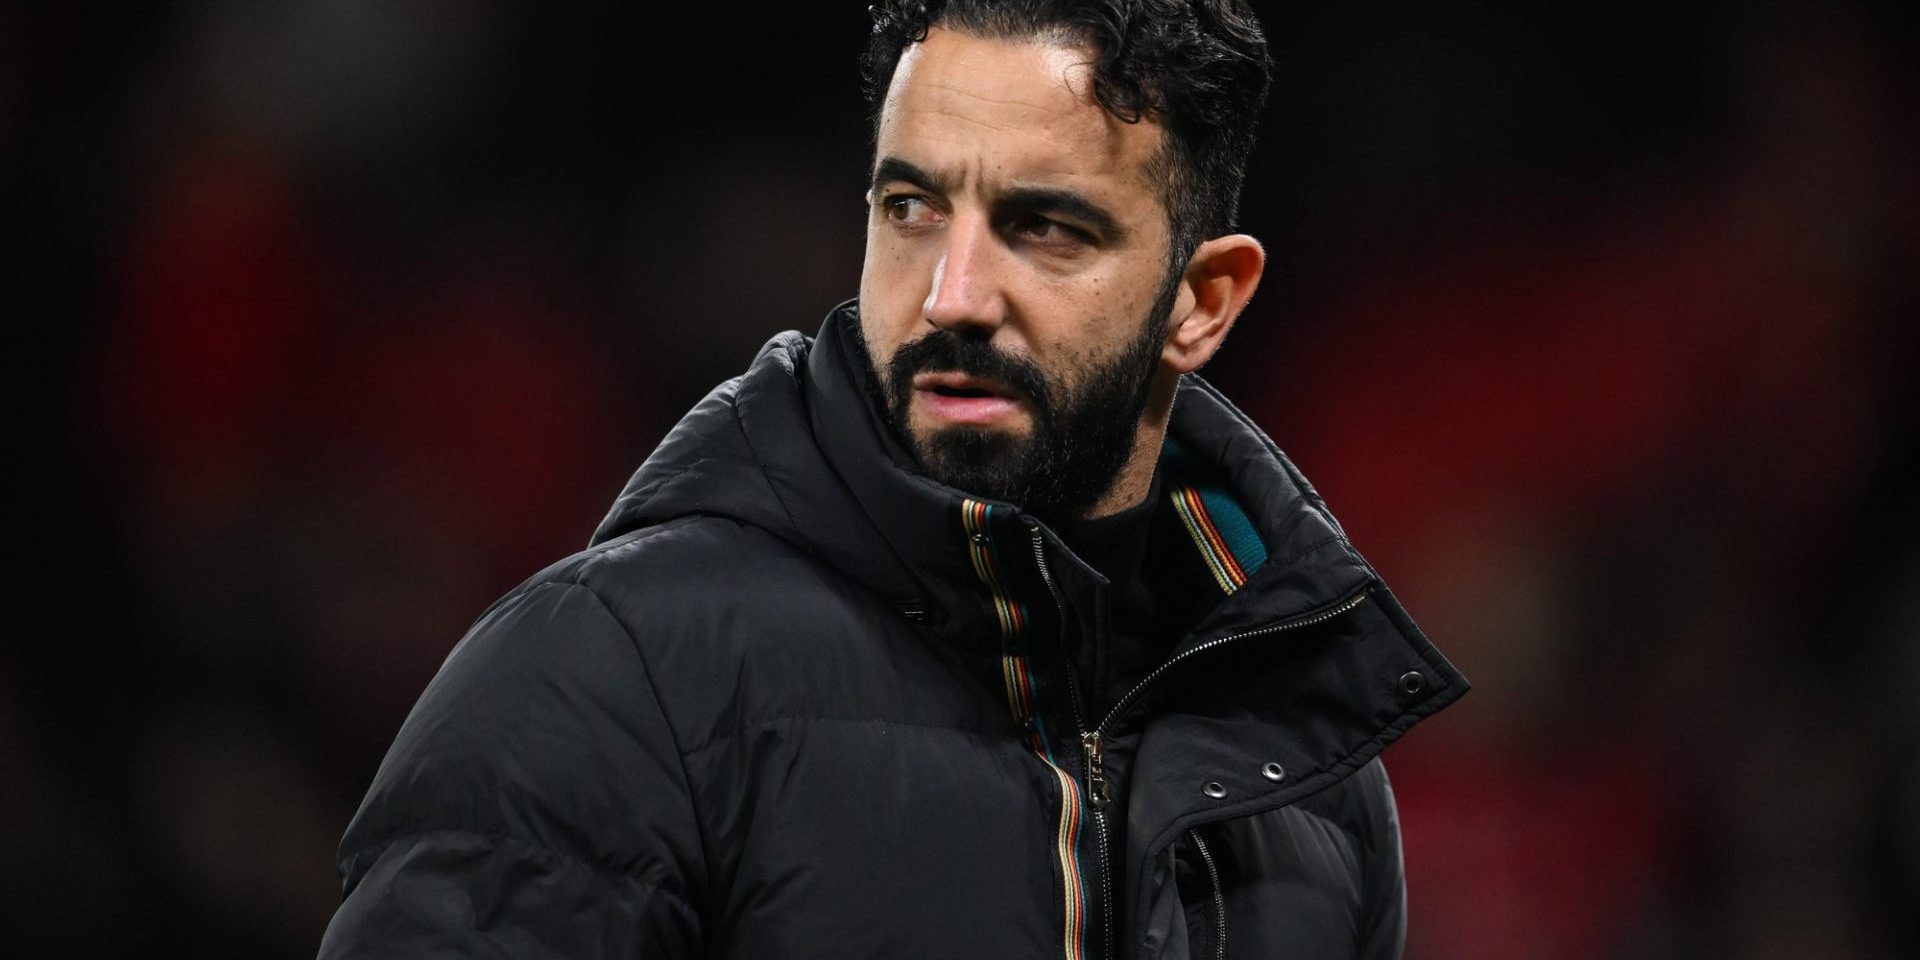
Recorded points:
(976, 626)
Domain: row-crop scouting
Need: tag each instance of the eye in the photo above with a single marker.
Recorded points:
(1048, 232)
(909, 210)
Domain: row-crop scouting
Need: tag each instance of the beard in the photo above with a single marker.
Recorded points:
(1081, 435)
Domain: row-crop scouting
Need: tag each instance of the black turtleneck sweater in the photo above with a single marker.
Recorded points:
(1156, 591)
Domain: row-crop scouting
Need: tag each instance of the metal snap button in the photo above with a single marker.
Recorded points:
(1214, 789)
(1274, 772)
(1412, 682)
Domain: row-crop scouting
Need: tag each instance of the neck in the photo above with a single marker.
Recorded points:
(1135, 477)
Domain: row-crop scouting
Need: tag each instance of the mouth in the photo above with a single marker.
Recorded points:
(962, 399)
(962, 385)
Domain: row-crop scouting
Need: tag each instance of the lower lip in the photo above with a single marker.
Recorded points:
(973, 410)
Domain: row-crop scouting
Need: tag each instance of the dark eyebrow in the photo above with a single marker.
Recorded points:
(896, 170)
(1041, 200)
(1066, 202)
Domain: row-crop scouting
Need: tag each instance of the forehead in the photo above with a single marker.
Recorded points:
(1011, 111)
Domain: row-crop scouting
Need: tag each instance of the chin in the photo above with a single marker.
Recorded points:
(1014, 425)
(963, 455)
(974, 436)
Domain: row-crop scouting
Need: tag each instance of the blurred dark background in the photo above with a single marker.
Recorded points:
(1595, 323)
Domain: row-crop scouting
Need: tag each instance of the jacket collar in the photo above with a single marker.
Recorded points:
(796, 446)
(1250, 511)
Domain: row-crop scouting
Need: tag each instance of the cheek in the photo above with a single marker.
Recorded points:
(893, 286)
(888, 271)
(1091, 324)
(879, 341)
(1094, 343)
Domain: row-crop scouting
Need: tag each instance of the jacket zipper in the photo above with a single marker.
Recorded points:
(1125, 703)
(1219, 897)
(1096, 790)
(1092, 742)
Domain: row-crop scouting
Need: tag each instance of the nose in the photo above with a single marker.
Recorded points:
(965, 296)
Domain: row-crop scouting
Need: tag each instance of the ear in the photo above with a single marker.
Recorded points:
(1219, 280)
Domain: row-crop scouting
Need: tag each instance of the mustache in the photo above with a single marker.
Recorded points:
(943, 352)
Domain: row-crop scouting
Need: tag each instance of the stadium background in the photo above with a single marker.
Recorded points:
(1594, 322)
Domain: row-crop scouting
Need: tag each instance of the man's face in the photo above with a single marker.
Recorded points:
(1016, 284)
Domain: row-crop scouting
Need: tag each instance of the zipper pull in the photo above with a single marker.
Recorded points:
(1096, 780)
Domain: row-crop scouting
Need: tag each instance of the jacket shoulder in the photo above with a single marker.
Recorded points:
(539, 713)
(544, 740)
(536, 774)
(740, 628)
(715, 580)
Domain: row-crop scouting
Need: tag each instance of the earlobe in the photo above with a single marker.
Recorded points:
(1220, 279)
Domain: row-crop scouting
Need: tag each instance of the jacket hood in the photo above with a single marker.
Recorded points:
(747, 452)
(796, 447)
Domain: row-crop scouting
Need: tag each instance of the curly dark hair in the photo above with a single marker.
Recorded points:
(1198, 67)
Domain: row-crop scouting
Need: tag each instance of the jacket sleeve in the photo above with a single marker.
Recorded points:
(1383, 932)
(534, 803)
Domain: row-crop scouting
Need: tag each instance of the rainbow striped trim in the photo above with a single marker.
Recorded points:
(975, 517)
(1223, 533)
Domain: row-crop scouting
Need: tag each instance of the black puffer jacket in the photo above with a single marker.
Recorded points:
(797, 700)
